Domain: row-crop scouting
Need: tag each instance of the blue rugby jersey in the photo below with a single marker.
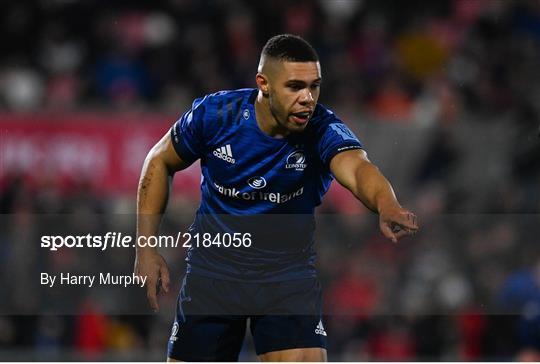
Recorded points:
(254, 183)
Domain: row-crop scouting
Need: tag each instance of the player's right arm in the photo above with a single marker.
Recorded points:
(152, 196)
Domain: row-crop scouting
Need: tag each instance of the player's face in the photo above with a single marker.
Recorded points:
(293, 93)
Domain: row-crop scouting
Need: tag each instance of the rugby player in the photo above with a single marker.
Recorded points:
(267, 151)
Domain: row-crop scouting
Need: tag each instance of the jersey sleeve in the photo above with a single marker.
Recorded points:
(187, 133)
(335, 137)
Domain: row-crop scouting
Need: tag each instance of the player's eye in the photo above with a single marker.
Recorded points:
(295, 87)
(315, 86)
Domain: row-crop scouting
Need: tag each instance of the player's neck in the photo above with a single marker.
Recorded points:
(266, 120)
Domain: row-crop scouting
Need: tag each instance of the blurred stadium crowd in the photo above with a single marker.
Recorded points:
(445, 95)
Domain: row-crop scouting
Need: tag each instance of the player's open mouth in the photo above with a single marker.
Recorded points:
(301, 117)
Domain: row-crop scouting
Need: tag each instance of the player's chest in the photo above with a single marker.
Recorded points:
(237, 161)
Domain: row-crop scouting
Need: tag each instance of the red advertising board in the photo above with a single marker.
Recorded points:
(104, 150)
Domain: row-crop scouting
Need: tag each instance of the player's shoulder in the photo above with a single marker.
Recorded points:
(231, 94)
(223, 106)
(322, 118)
(225, 97)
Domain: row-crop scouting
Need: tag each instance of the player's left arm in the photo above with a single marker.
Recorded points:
(353, 170)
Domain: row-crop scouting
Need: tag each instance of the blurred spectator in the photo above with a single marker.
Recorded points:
(21, 88)
(520, 294)
(392, 101)
(91, 332)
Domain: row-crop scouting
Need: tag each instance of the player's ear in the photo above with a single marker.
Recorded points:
(262, 83)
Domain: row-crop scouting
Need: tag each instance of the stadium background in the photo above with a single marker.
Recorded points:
(443, 94)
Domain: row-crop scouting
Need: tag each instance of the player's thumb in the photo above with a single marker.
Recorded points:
(165, 278)
(387, 231)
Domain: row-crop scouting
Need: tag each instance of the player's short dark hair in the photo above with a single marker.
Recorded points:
(291, 48)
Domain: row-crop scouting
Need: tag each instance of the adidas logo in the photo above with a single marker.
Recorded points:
(225, 153)
(320, 329)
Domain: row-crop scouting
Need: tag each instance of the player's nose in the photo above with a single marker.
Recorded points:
(306, 98)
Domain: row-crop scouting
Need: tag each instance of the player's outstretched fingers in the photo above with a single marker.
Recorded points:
(402, 233)
(410, 221)
(151, 293)
(387, 231)
(164, 277)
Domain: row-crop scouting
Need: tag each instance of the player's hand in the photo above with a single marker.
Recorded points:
(152, 265)
(396, 222)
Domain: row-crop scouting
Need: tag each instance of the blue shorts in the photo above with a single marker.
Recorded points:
(212, 314)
